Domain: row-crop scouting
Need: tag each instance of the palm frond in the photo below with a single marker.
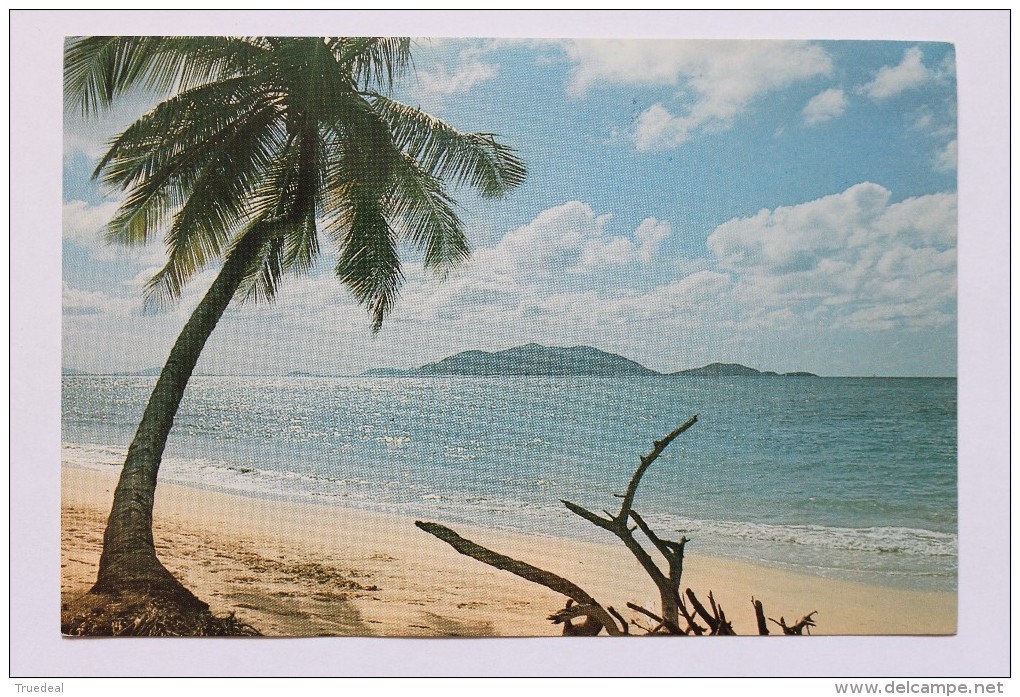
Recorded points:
(160, 171)
(176, 126)
(219, 203)
(369, 264)
(98, 69)
(261, 138)
(361, 144)
(374, 61)
(303, 242)
(429, 219)
(474, 159)
(262, 277)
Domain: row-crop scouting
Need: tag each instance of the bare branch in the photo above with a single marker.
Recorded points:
(617, 615)
(797, 629)
(527, 572)
(722, 627)
(672, 551)
(759, 613)
(712, 622)
(685, 613)
(501, 561)
(594, 518)
(673, 628)
(596, 618)
(646, 461)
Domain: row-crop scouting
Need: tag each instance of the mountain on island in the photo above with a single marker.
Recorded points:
(534, 359)
(729, 370)
(531, 359)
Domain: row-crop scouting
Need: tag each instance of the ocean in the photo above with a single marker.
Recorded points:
(849, 478)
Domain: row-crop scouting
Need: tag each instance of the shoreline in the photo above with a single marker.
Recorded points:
(303, 569)
(841, 554)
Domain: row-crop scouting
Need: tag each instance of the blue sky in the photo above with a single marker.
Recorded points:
(786, 205)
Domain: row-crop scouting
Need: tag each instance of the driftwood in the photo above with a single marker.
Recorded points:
(591, 617)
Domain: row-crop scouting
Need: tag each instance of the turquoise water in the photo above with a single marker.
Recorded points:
(839, 477)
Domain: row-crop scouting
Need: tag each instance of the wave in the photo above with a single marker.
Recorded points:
(474, 506)
(914, 542)
(214, 474)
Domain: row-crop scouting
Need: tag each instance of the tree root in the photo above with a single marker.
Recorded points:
(137, 614)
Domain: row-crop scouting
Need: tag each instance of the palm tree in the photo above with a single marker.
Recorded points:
(265, 144)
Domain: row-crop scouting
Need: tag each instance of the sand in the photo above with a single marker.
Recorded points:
(295, 569)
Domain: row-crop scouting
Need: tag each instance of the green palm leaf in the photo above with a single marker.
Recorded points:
(160, 161)
(474, 159)
(99, 69)
(369, 264)
(428, 218)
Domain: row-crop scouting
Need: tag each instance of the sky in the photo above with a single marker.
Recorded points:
(785, 205)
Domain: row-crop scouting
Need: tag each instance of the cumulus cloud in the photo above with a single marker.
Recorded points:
(824, 106)
(563, 267)
(892, 80)
(718, 79)
(469, 71)
(76, 301)
(83, 224)
(848, 260)
(945, 159)
(651, 233)
(940, 127)
(570, 239)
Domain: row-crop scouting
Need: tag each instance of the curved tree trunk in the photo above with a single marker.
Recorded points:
(128, 561)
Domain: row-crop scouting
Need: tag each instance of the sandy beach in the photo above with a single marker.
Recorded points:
(294, 569)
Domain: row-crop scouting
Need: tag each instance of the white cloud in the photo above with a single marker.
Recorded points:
(76, 301)
(851, 261)
(620, 251)
(469, 71)
(941, 128)
(824, 106)
(560, 270)
(569, 239)
(461, 78)
(848, 260)
(719, 79)
(651, 233)
(658, 129)
(562, 278)
(83, 224)
(945, 160)
(891, 81)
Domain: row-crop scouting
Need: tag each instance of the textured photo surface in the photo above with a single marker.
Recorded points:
(478, 337)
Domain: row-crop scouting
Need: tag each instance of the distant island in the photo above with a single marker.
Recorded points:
(527, 360)
(148, 372)
(728, 370)
(538, 360)
(530, 359)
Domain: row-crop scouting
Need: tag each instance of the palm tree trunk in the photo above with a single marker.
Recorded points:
(129, 561)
